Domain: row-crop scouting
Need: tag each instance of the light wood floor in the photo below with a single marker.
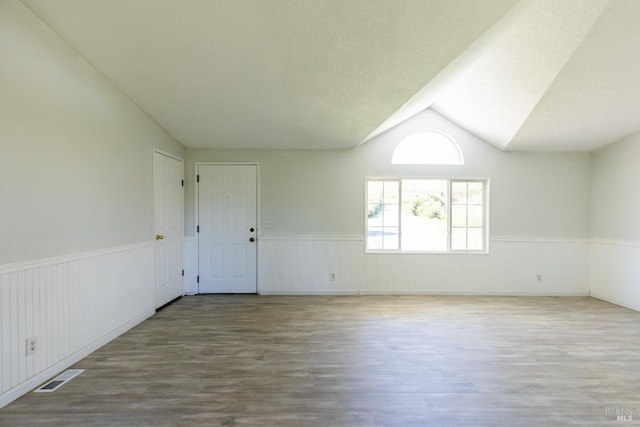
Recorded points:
(357, 361)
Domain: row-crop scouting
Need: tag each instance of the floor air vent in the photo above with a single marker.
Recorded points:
(59, 381)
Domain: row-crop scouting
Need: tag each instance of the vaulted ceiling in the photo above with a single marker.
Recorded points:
(522, 75)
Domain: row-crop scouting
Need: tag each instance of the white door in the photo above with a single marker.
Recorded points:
(168, 200)
(227, 212)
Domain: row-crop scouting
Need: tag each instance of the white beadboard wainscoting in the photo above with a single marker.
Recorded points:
(304, 266)
(71, 305)
(615, 272)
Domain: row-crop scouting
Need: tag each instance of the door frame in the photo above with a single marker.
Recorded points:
(197, 213)
(153, 198)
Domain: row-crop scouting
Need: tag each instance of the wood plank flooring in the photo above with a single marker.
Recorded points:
(253, 360)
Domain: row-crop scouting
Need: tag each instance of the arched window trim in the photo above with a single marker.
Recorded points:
(415, 157)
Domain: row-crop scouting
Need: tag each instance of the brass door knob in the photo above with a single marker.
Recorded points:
(159, 237)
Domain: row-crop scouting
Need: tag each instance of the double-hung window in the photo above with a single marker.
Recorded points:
(427, 215)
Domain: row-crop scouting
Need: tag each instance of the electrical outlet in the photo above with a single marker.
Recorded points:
(32, 345)
(332, 277)
(539, 277)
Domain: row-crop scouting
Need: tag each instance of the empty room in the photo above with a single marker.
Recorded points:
(319, 212)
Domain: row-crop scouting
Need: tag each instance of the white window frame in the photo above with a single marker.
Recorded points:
(485, 225)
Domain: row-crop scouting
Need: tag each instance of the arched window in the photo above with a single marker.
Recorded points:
(428, 147)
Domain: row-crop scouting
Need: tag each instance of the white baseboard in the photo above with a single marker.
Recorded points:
(472, 293)
(309, 293)
(615, 301)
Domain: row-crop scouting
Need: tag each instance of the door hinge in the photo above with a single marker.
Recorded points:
(198, 279)
(197, 228)
(197, 178)
(182, 183)
(183, 271)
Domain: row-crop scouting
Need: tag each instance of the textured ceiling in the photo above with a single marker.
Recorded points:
(530, 75)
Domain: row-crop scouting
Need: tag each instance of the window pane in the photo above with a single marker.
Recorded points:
(375, 221)
(427, 148)
(383, 214)
(424, 215)
(391, 191)
(374, 238)
(474, 218)
(459, 216)
(458, 239)
(475, 190)
(374, 213)
(468, 213)
(382, 238)
(390, 238)
(391, 216)
(375, 192)
(475, 239)
(458, 192)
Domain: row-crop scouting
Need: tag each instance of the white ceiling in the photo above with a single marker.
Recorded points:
(523, 75)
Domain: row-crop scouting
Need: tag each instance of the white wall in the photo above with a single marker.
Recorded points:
(75, 153)
(321, 192)
(314, 200)
(76, 211)
(615, 228)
